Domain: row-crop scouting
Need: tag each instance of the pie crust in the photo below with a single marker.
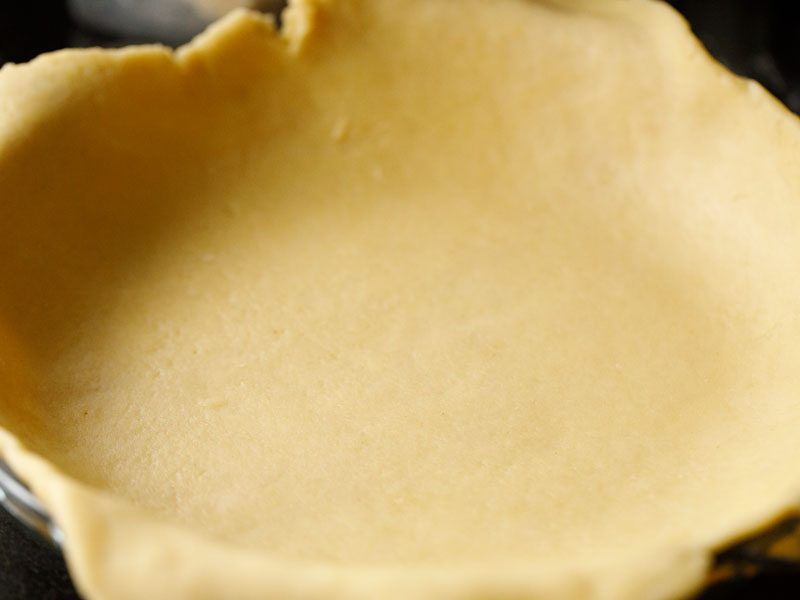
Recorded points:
(421, 299)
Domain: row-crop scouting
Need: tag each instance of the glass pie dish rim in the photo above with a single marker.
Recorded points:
(19, 501)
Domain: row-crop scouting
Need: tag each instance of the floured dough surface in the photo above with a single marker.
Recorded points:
(422, 283)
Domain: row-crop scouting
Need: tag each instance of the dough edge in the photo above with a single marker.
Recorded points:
(113, 550)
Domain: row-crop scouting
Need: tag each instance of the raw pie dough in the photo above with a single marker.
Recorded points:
(420, 299)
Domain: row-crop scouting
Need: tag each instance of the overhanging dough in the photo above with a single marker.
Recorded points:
(418, 299)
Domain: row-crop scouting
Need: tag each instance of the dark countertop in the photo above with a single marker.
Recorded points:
(30, 569)
(757, 38)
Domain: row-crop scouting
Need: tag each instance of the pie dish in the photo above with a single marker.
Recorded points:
(421, 299)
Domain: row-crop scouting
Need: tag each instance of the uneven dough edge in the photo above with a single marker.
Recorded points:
(115, 552)
(109, 541)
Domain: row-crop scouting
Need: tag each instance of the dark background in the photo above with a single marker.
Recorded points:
(759, 39)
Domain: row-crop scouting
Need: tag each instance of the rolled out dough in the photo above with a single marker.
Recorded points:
(420, 299)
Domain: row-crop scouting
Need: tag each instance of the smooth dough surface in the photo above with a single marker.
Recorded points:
(419, 299)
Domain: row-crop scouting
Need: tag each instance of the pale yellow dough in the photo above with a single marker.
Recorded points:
(421, 299)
